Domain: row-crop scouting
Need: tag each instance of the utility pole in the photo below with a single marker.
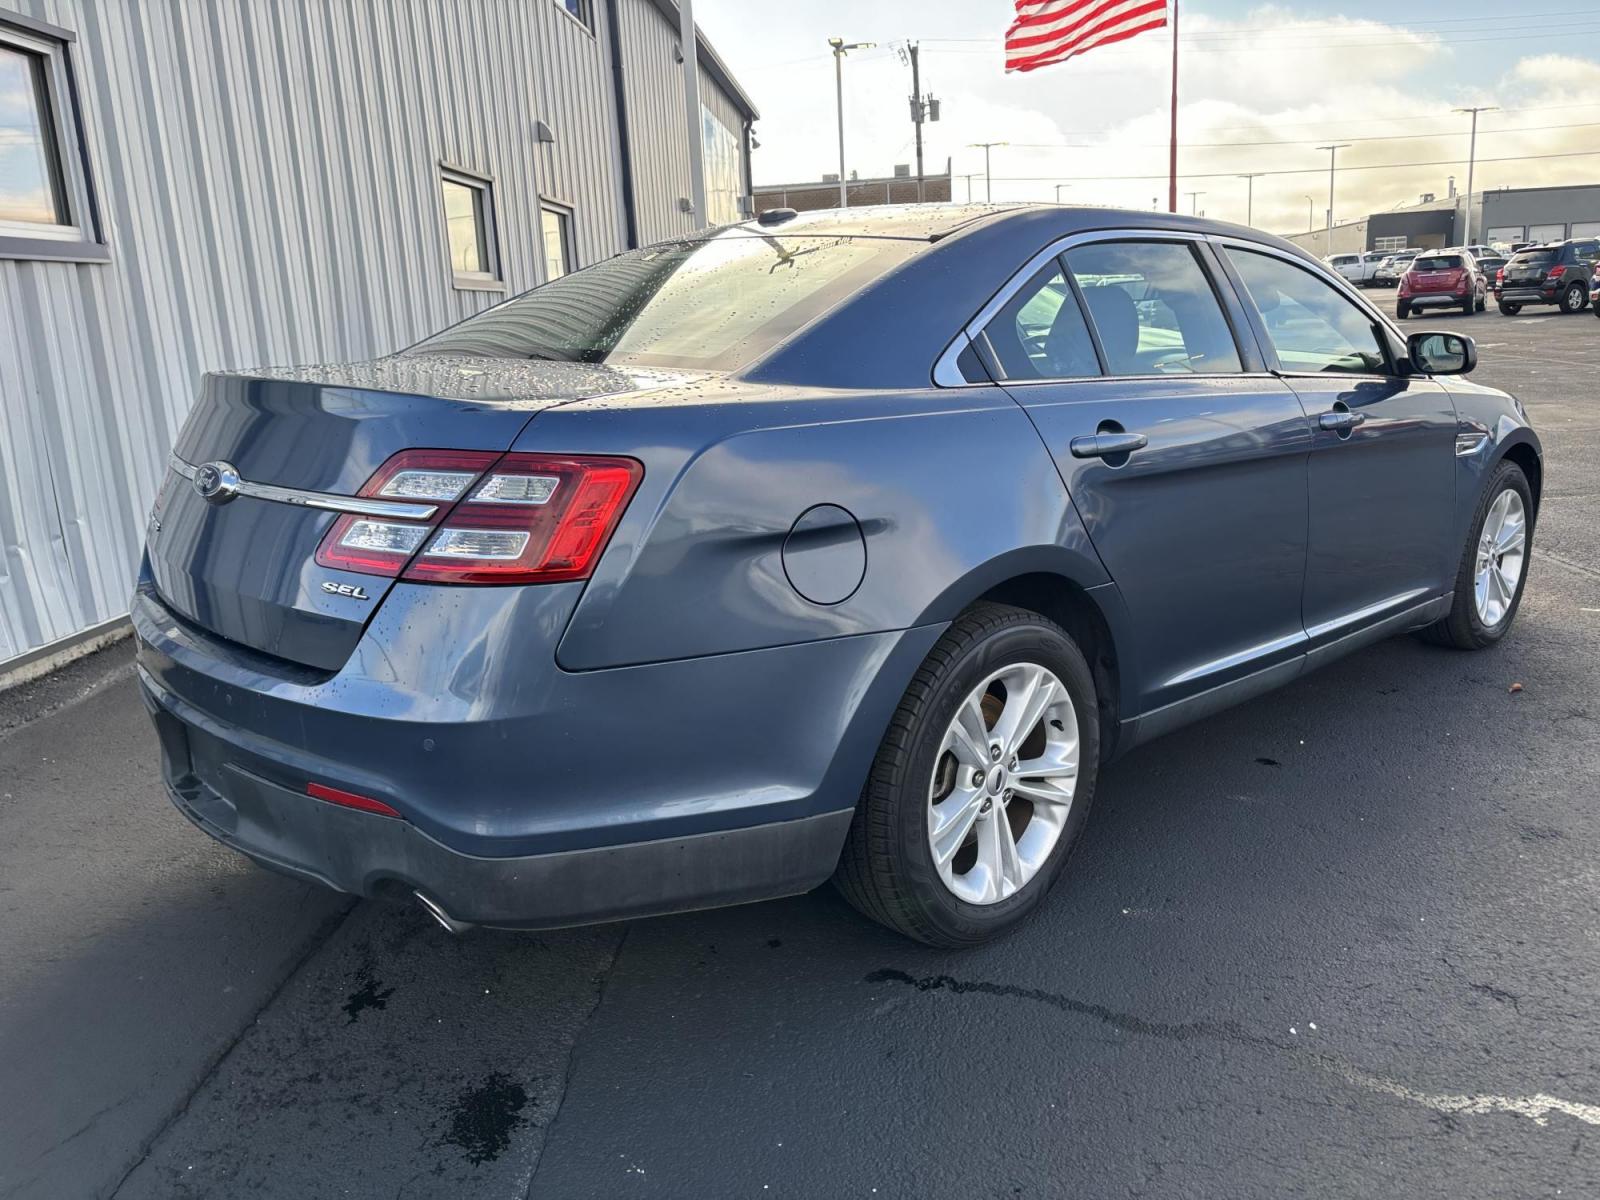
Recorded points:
(968, 177)
(988, 193)
(1309, 203)
(1250, 196)
(840, 49)
(1333, 152)
(923, 108)
(1472, 154)
(690, 43)
(1194, 202)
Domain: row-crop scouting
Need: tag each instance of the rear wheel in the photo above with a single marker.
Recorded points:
(982, 783)
(1483, 301)
(1402, 310)
(1494, 565)
(1509, 310)
(1575, 298)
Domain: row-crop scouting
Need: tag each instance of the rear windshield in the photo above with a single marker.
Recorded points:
(1436, 262)
(717, 303)
(1534, 258)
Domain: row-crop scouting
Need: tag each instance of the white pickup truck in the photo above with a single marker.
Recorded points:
(1359, 269)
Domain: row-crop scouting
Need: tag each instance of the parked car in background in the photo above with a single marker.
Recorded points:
(1441, 279)
(1560, 273)
(1392, 267)
(1489, 267)
(1359, 269)
(1478, 252)
(454, 626)
(1594, 290)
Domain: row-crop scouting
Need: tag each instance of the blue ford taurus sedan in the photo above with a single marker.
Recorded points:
(843, 545)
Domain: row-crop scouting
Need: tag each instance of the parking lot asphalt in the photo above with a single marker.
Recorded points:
(1341, 941)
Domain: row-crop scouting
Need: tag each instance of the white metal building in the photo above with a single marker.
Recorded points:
(191, 185)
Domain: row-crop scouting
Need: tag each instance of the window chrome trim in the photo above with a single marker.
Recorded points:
(945, 371)
(323, 501)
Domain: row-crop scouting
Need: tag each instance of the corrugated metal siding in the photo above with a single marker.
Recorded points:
(268, 179)
(653, 79)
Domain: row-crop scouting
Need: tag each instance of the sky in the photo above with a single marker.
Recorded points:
(1261, 86)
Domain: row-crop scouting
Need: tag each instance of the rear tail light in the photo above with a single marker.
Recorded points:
(1499, 276)
(513, 518)
(534, 518)
(1555, 272)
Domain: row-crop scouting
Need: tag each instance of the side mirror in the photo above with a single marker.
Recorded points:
(1442, 353)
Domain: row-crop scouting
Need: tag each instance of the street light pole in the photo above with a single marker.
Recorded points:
(1194, 202)
(1309, 203)
(1333, 152)
(988, 192)
(1250, 196)
(1472, 155)
(1059, 186)
(840, 49)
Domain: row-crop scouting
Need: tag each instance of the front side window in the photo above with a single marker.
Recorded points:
(44, 193)
(1040, 333)
(715, 303)
(469, 228)
(555, 228)
(1153, 308)
(1313, 327)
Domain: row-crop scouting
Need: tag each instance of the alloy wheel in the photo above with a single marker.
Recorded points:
(1502, 552)
(1003, 783)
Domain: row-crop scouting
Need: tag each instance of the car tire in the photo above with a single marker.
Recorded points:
(888, 869)
(1509, 310)
(1467, 626)
(1575, 299)
(1402, 310)
(1468, 307)
(1483, 302)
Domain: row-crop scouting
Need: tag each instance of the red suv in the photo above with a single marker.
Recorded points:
(1442, 279)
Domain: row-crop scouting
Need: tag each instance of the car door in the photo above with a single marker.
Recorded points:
(1381, 476)
(1186, 460)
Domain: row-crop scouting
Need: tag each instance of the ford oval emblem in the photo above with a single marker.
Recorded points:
(217, 482)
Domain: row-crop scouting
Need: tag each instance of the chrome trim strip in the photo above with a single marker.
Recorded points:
(323, 501)
(1237, 658)
(1361, 614)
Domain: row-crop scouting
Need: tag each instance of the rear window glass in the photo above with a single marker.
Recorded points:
(1436, 262)
(1533, 258)
(717, 303)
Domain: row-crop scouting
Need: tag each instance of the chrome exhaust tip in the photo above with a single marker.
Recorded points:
(448, 923)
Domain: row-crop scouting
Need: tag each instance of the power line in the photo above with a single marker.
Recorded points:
(1444, 162)
(1386, 137)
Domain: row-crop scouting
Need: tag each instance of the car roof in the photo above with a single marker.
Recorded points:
(918, 222)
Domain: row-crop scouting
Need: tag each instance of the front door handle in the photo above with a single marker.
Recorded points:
(1107, 445)
(1340, 419)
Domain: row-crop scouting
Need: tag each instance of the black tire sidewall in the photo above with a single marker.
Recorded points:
(955, 920)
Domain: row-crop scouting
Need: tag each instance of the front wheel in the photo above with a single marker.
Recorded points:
(1575, 298)
(981, 785)
(1509, 310)
(1494, 565)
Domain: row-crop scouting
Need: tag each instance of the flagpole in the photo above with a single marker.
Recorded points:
(1172, 159)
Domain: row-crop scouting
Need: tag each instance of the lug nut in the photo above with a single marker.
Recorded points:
(994, 752)
(977, 779)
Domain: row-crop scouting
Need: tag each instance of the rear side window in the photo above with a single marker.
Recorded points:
(1041, 334)
(1313, 327)
(1153, 309)
(1587, 251)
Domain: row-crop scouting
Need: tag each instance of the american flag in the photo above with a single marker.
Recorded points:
(1052, 31)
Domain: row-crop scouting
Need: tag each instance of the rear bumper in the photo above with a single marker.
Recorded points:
(1435, 300)
(530, 796)
(368, 855)
(1526, 295)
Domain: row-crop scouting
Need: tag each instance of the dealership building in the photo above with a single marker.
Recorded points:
(1542, 214)
(195, 185)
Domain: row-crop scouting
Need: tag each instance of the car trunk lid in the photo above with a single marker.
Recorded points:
(245, 569)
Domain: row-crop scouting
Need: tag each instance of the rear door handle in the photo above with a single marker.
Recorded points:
(1105, 445)
(1340, 419)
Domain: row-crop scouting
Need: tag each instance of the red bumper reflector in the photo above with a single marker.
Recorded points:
(350, 800)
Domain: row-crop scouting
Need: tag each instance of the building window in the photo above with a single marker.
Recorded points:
(1389, 243)
(581, 11)
(723, 176)
(555, 227)
(469, 228)
(45, 202)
